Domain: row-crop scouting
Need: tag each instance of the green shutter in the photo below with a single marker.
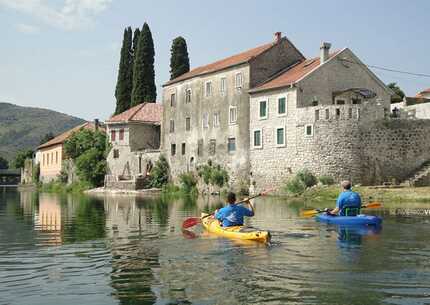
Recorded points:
(263, 110)
(257, 138)
(281, 105)
(280, 136)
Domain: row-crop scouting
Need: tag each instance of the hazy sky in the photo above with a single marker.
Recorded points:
(64, 54)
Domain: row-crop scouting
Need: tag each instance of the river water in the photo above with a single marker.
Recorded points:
(63, 249)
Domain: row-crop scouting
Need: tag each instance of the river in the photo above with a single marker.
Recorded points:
(64, 249)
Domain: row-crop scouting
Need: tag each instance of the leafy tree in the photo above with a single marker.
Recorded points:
(46, 138)
(144, 89)
(21, 157)
(399, 94)
(179, 60)
(124, 82)
(160, 172)
(88, 150)
(3, 163)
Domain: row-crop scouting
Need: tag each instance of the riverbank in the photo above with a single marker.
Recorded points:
(106, 191)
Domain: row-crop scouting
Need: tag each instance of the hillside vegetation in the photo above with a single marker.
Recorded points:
(24, 127)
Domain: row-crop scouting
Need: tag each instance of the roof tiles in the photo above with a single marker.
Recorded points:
(145, 112)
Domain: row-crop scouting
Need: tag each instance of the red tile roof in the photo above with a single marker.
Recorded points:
(223, 63)
(426, 91)
(146, 112)
(292, 74)
(65, 135)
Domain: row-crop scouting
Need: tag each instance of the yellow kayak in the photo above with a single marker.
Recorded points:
(237, 232)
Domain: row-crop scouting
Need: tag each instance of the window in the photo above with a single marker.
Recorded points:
(263, 109)
(173, 149)
(121, 134)
(200, 147)
(350, 113)
(314, 103)
(337, 113)
(172, 126)
(223, 85)
(317, 115)
(309, 130)
(115, 153)
(233, 114)
(52, 158)
(327, 114)
(208, 89)
(216, 119)
(358, 113)
(112, 135)
(173, 100)
(43, 159)
(188, 95)
(212, 147)
(356, 101)
(257, 139)
(47, 159)
(188, 124)
(239, 80)
(282, 105)
(183, 149)
(231, 144)
(56, 157)
(340, 102)
(205, 120)
(280, 136)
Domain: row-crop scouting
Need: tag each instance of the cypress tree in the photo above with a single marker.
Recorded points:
(144, 89)
(135, 39)
(124, 82)
(179, 60)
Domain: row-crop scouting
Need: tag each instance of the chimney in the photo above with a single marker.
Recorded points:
(324, 52)
(96, 124)
(277, 37)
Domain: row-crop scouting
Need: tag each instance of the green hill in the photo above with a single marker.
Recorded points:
(23, 127)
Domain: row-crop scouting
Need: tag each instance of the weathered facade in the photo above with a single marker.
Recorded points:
(135, 139)
(206, 111)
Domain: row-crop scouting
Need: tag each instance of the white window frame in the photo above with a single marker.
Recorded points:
(208, 94)
(267, 109)
(205, 120)
(173, 99)
(312, 130)
(216, 119)
(223, 85)
(277, 105)
(229, 115)
(235, 145)
(186, 94)
(253, 139)
(276, 136)
(236, 83)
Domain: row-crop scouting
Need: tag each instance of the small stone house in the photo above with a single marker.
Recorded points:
(135, 139)
(50, 155)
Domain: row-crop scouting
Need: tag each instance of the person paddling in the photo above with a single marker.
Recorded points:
(233, 214)
(348, 203)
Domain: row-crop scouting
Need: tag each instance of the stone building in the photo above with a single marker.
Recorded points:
(51, 156)
(206, 111)
(413, 107)
(135, 139)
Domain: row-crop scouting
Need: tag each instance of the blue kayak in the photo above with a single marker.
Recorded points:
(350, 220)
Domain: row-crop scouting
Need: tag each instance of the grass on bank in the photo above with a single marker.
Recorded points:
(59, 187)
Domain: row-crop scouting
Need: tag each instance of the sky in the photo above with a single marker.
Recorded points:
(63, 54)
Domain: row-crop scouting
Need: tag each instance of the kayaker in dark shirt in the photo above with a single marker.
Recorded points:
(348, 203)
(232, 215)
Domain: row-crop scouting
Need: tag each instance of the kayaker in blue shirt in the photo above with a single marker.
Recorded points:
(348, 203)
(232, 215)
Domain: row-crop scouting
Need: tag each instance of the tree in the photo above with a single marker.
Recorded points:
(21, 156)
(88, 150)
(135, 40)
(124, 82)
(144, 89)
(179, 60)
(3, 163)
(160, 173)
(399, 94)
(46, 138)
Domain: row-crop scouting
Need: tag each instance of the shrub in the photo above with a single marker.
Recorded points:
(326, 180)
(213, 174)
(295, 186)
(160, 173)
(307, 178)
(21, 156)
(188, 182)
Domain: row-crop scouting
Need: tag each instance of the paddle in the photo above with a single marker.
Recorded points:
(192, 221)
(371, 205)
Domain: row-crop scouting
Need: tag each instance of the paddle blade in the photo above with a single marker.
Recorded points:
(190, 222)
(310, 213)
(373, 205)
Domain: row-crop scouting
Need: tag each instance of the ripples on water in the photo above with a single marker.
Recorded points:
(122, 250)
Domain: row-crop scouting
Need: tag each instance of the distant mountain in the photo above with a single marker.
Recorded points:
(23, 127)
